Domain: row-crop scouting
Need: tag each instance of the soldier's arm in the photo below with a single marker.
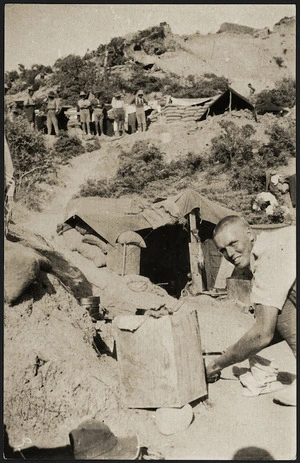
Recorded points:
(254, 340)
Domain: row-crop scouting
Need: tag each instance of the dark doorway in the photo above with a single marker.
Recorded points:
(166, 261)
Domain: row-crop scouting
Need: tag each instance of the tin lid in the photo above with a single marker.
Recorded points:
(90, 300)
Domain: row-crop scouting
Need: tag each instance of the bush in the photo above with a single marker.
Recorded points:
(31, 160)
(284, 94)
(34, 164)
(250, 177)
(92, 145)
(244, 160)
(195, 86)
(73, 74)
(187, 165)
(234, 145)
(67, 147)
(142, 170)
(281, 145)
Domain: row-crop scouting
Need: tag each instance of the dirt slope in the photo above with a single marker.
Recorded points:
(242, 58)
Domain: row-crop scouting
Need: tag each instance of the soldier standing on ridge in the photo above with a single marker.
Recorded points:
(52, 110)
(98, 114)
(84, 106)
(140, 102)
(119, 112)
(29, 106)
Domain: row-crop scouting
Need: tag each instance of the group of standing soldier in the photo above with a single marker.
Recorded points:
(91, 109)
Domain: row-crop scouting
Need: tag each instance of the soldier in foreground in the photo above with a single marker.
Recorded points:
(272, 260)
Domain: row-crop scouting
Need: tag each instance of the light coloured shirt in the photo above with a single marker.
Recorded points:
(118, 103)
(84, 103)
(273, 265)
(52, 104)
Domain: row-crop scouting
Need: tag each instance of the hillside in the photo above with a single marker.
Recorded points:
(241, 54)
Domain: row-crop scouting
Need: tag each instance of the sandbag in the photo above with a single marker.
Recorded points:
(72, 239)
(92, 253)
(94, 240)
(100, 259)
(87, 250)
(22, 265)
(131, 237)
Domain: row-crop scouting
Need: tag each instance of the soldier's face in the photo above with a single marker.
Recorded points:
(235, 243)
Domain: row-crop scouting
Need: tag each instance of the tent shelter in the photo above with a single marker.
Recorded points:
(227, 101)
(175, 231)
(198, 109)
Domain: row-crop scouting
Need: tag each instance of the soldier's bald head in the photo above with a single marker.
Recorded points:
(230, 221)
(234, 238)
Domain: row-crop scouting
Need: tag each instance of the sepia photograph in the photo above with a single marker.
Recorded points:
(149, 243)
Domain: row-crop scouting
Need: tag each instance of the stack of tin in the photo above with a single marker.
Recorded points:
(91, 304)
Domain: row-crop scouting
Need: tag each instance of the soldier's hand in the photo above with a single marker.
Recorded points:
(213, 372)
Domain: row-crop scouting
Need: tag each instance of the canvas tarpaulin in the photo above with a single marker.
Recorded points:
(108, 217)
(111, 217)
(188, 101)
(189, 200)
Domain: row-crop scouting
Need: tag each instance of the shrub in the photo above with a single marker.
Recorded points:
(142, 165)
(234, 145)
(31, 160)
(142, 170)
(250, 177)
(187, 165)
(195, 86)
(244, 160)
(281, 145)
(284, 94)
(73, 74)
(92, 145)
(67, 147)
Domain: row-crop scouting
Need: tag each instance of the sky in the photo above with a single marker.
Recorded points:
(42, 33)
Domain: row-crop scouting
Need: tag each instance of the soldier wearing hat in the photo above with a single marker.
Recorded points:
(119, 108)
(84, 106)
(98, 114)
(52, 109)
(29, 106)
(140, 102)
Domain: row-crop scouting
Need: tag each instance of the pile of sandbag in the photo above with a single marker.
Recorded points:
(87, 244)
(175, 113)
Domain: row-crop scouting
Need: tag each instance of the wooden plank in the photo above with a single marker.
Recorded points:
(197, 282)
(148, 376)
(161, 363)
(124, 259)
(189, 359)
(195, 252)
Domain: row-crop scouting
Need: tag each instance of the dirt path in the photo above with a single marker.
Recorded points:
(99, 164)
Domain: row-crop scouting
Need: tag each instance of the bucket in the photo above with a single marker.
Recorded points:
(91, 304)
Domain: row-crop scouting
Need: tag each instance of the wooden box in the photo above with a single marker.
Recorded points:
(124, 259)
(160, 362)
